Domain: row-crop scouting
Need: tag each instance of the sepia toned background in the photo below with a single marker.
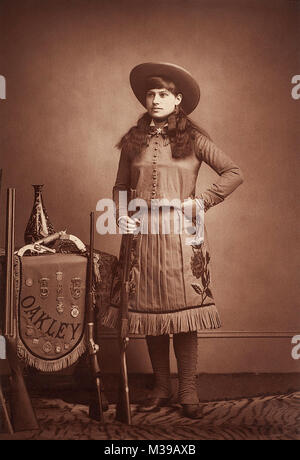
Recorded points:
(66, 64)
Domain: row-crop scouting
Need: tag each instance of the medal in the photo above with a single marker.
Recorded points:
(29, 331)
(75, 287)
(60, 307)
(47, 347)
(44, 289)
(59, 293)
(75, 311)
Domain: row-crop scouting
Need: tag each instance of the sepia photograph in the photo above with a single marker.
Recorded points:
(149, 222)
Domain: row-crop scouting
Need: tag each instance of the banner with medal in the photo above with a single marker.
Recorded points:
(51, 291)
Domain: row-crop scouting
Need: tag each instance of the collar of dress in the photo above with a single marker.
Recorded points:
(154, 131)
(161, 130)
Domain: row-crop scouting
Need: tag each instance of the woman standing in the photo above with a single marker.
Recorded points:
(170, 282)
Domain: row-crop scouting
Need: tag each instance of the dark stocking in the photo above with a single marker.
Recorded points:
(158, 347)
(185, 347)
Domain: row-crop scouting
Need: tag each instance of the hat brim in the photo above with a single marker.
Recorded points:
(183, 80)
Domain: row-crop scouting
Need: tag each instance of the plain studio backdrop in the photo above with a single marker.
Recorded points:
(68, 101)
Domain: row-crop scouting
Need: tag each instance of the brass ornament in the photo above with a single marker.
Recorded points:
(44, 288)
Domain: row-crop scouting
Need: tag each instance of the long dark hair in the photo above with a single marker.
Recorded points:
(181, 129)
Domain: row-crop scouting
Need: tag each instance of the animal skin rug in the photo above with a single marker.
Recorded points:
(259, 418)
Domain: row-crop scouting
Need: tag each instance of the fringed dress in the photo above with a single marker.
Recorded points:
(170, 281)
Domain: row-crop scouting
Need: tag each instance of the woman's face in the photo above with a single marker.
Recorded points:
(160, 103)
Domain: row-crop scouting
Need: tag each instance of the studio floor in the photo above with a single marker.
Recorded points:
(63, 414)
(261, 418)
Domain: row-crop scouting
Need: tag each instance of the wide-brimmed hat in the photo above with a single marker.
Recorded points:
(183, 80)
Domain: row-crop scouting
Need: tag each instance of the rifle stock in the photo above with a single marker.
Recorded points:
(123, 412)
(22, 412)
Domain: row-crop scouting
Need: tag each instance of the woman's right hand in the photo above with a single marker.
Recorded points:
(127, 224)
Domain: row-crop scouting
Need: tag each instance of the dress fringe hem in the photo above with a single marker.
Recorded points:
(193, 319)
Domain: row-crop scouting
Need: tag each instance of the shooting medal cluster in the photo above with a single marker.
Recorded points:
(51, 311)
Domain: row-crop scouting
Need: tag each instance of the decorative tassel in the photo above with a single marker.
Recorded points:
(51, 365)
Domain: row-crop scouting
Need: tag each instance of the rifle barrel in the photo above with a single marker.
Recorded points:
(93, 347)
(123, 406)
(9, 258)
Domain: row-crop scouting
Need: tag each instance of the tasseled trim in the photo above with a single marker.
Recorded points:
(51, 365)
(192, 319)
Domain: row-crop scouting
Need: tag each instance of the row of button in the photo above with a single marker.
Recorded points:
(154, 170)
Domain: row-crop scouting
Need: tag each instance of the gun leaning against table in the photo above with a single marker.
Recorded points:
(93, 348)
(22, 412)
(123, 412)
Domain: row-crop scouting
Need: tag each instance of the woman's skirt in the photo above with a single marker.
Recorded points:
(169, 286)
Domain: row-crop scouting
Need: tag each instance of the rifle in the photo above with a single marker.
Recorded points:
(93, 348)
(22, 412)
(123, 413)
(4, 369)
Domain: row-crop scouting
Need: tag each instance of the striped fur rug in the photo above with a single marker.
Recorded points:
(258, 418)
